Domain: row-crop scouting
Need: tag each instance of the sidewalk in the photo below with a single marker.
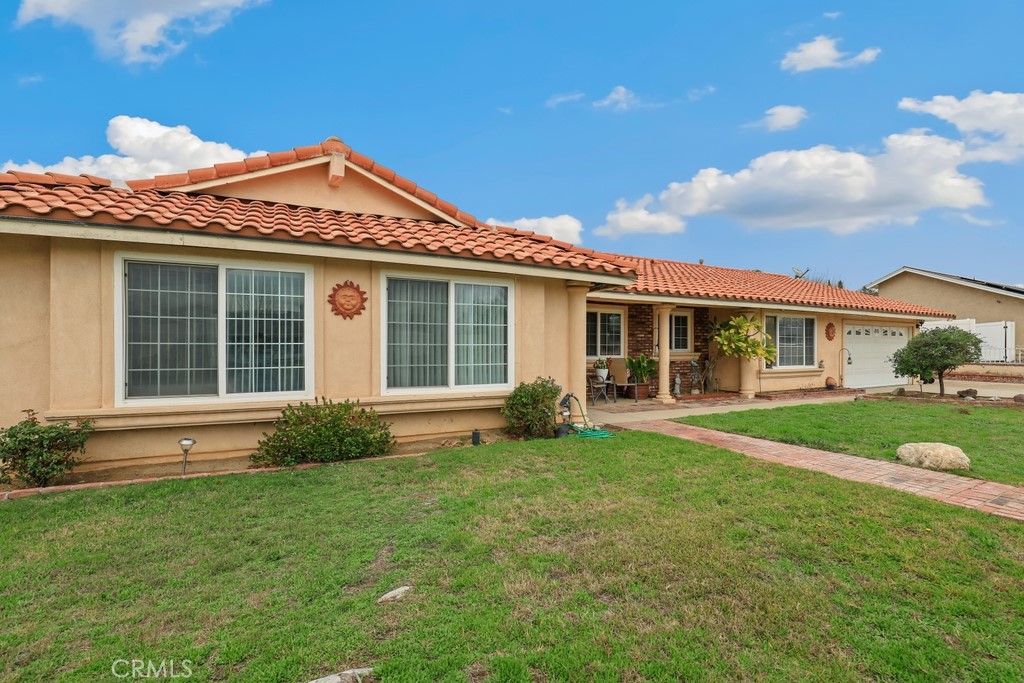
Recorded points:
(683, 409)
(991, 497)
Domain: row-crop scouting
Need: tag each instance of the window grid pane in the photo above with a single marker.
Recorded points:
(481, 334)
(170, 330)
(680, 333)
(591, 333)
(417, 351)
(265, 331)
(610, 334)
(795, 342)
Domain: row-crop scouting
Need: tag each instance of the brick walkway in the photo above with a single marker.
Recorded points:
(987, 496)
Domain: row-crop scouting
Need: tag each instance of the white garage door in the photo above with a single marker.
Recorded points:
(870, 347)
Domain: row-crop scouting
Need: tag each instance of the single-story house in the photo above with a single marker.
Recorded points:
(819, 331)
(965, 297)
(201, 303)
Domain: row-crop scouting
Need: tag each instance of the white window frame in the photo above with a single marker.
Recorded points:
(222, 396)
(680, 313)
(623, 312)
(775, 341)
(452, 387)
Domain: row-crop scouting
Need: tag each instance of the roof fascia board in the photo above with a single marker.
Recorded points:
(17, 225)
(241, 177)
(947, 278)
(736, 303)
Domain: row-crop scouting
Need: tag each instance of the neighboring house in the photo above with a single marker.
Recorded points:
(200, 304)
(820, 331)
(967, 298)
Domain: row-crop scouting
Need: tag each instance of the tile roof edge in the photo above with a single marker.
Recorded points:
(13, 177)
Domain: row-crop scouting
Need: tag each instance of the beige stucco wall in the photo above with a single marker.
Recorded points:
(58, 347)
(308, 186)
(962, 300)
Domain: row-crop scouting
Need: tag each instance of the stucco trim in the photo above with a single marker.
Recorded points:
(952, 279)
(17, 225)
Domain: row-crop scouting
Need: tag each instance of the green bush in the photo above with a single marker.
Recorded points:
(323, 431)
(530, 411)
(38, 454)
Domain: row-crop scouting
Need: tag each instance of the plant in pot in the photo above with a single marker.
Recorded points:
(601, 369)
(640, 369)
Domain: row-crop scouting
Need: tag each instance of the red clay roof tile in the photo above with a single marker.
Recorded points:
(691, 280)
(252, 218)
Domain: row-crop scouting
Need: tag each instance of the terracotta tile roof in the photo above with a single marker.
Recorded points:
(332, 145)
(13, 177)
(675, 278)
(101, 204)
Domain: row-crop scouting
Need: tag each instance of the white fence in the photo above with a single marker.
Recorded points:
(997, 339)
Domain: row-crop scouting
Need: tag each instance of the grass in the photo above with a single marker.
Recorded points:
(992, 437)
(637, 558)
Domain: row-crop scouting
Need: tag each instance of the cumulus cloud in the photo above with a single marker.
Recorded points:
(822, 53)
(781, 117)
(563, 227)
(992, 123)
(137, 31)
(563, 98)
(847, 191)
(635, 218)
(143, 148)
(621, 98)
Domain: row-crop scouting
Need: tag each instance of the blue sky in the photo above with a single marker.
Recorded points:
(896, 134)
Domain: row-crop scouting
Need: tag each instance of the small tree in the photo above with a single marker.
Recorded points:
(743, 337)
(936, 352)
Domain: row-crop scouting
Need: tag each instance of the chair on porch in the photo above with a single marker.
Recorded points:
(598, 388)
(619, 376)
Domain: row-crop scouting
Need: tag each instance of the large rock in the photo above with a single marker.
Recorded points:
(1019, 398)
(934, 456)
(394, 595)
(362, 675)
(973, 393)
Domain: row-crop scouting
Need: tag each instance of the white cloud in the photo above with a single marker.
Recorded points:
(30, 79)
(832, 15)
(563, 98)
(137, 31)
(847, 191)
(975, 220)
(143, 148)
(991, 123)
(822, 53)
(781, 117)
(621, 98)
(697, 94)
(507, 111)
(564, 227)
(632, 219)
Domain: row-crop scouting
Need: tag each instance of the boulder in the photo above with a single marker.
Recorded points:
(973, 393)
(934, 456)
(901, 392)
(362, 675)
(1019, 398)
(392, 596)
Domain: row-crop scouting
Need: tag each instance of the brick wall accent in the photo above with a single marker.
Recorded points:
(640, 339)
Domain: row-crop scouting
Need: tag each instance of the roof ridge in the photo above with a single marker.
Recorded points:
(332, 145)
(12, 177)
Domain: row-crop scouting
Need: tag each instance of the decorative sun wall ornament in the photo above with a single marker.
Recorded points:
(347, 300)
(830, 331)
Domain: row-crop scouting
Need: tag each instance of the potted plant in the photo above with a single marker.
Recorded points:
(601, 369)
(640, 369)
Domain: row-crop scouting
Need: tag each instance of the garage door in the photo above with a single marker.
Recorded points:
(870, 347)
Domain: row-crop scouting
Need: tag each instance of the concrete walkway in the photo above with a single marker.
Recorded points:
(685, 408)
(991, 497)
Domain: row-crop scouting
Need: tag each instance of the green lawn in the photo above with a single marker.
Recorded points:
(993, 438)
(636, 558)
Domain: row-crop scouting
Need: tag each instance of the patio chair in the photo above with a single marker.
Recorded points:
(597, 388)
(618, 375)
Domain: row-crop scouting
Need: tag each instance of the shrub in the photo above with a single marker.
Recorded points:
(936, 352)
(38, 454)
(529, 410)
(641, 368)
(323, 431)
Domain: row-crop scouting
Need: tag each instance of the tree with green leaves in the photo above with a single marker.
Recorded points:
(738, 337)
(936, 352)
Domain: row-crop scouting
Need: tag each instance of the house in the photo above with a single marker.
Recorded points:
(200, 304)
(968, 298)
(820, 331)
